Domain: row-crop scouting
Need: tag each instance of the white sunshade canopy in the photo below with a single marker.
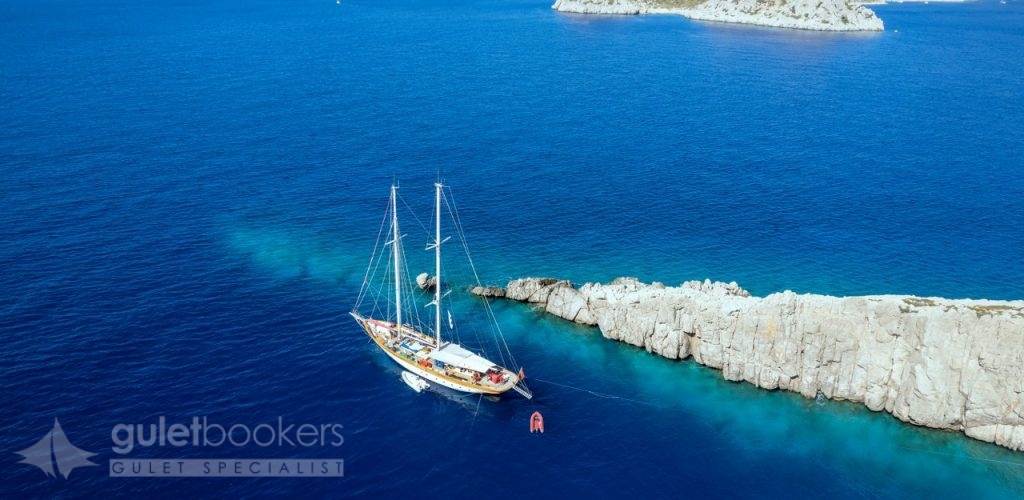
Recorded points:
(454, 354)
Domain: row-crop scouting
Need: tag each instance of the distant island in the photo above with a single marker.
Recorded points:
(818, 15)
(934, 362)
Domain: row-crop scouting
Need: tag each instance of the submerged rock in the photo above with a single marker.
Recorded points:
(940, 363)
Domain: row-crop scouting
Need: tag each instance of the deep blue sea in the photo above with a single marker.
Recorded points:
(191, 191)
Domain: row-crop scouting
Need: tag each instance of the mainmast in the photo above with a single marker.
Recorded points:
(397, 252)
(437, 263)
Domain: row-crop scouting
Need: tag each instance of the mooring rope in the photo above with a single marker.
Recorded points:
(599, 394)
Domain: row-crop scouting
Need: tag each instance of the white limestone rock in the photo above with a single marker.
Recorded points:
(818, 15)
(565, 302)
(533, 290)
(612, 7)
(940, 363)
(426, 281)
(488, 291)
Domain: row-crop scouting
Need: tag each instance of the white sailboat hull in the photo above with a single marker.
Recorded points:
(371, 327)
(420, 372)
(427, 356)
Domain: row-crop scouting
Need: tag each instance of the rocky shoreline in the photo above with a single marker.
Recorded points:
(817, 15)
(939, 363)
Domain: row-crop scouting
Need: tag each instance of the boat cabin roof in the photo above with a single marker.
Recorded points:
(454, 354)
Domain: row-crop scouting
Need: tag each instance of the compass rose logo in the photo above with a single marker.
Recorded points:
(54, 448)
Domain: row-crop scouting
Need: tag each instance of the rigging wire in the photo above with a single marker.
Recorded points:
(413, 214)
(376, 285)
(469, 433)
(376, 246)
(496, 329)
(407, 291)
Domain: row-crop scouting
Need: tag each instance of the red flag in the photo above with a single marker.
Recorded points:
(522, 374)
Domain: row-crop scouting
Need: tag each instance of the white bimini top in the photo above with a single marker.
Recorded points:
(454, 354)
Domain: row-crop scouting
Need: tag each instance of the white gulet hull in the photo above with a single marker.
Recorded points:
(430, 376)
(375, 330)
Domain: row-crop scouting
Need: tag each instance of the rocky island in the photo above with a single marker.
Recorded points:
(940, 363)
(818, 15)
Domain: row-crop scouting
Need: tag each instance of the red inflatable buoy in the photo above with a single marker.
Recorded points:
(537, 422)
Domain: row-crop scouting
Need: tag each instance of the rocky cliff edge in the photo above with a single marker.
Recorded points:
(940, 363)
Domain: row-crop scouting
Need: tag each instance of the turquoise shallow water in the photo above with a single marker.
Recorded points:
(192, 191)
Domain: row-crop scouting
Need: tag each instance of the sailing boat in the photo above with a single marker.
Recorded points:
(414, 347)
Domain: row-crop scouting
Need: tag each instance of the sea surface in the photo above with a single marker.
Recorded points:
(191, 191)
